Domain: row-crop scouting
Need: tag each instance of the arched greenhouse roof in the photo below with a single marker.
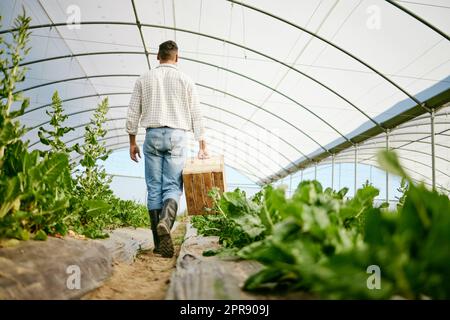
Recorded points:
(283, 84)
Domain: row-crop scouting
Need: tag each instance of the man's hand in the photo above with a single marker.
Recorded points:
(202, 152)
(134, 149)
(135, 153)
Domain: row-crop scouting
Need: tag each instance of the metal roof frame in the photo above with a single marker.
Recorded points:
(429, 105)
(198, 84)
(210, 105)
(412, 14)
(54, 25)
(216, 139)
(125, 145)
(434, 102)
(195, 61)
(213, 129)
(139, 26)
(330, 43)
(403, 159)
(375, 164)
(244, 161)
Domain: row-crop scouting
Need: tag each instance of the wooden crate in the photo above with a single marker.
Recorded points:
(200, 176)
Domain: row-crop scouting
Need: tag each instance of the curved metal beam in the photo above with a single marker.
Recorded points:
(219, 131)
(399, 149)
(213, 129)
(407, 159)
(330, 44)
(220, 140)
(427, 135)
(200, 62)
(218, 147)
(77, 78)
(412, 125)
(200, 85)
(138, 24)
(269, 112)
(211, 119)
(412, 14)
(411, 142)
(427, 116)
(76, 98)
(244, 172)
(382, 144)
(350, 161)
(209, 105)
(370, 156)
(217, 39)
(250, 135)
(125, 145)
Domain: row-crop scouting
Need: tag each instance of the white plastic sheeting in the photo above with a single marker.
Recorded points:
(273, 94)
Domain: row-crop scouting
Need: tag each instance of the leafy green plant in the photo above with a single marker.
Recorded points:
(94, 181)
(237, 221)
(53, 138)
(403, 189)
(323, 243)
(91, 210)
(38, 194)
(40, 189)
(315, 225)
(96, 209)
(11, 55)
(33, 190)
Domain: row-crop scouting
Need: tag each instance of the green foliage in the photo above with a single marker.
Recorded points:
(91, 212)
(54, 137)
(403, 189)
(96, 208)
(11, 55)
(38, 195)
(94, 217)
(323, 243)
(33, 189)
(93, 181)
(237, 222)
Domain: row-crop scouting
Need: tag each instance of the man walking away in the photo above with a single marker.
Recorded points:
(165, 102)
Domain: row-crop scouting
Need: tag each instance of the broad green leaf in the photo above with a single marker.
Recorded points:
(389, 161)
(40, 236)
(54, 166)
(96, 207)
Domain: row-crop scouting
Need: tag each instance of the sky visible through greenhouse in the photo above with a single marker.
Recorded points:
(128, 180)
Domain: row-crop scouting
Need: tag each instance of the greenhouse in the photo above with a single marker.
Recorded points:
(324, 153)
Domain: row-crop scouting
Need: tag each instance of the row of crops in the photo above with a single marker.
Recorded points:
(41, 191)
(319, 242)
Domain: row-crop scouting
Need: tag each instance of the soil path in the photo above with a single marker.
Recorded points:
(147, 278)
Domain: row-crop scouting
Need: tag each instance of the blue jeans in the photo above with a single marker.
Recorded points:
(165, 156)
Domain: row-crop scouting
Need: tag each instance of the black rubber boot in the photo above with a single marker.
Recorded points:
(166, 221)
(154, 220)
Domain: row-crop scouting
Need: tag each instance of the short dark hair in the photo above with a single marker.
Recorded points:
(167, 50)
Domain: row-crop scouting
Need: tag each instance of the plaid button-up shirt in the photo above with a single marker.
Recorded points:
(165, 96)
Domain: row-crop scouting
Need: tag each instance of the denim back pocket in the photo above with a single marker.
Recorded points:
(177, 143)
(153, 141)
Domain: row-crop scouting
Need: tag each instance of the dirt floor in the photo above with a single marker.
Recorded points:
(147, 278)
